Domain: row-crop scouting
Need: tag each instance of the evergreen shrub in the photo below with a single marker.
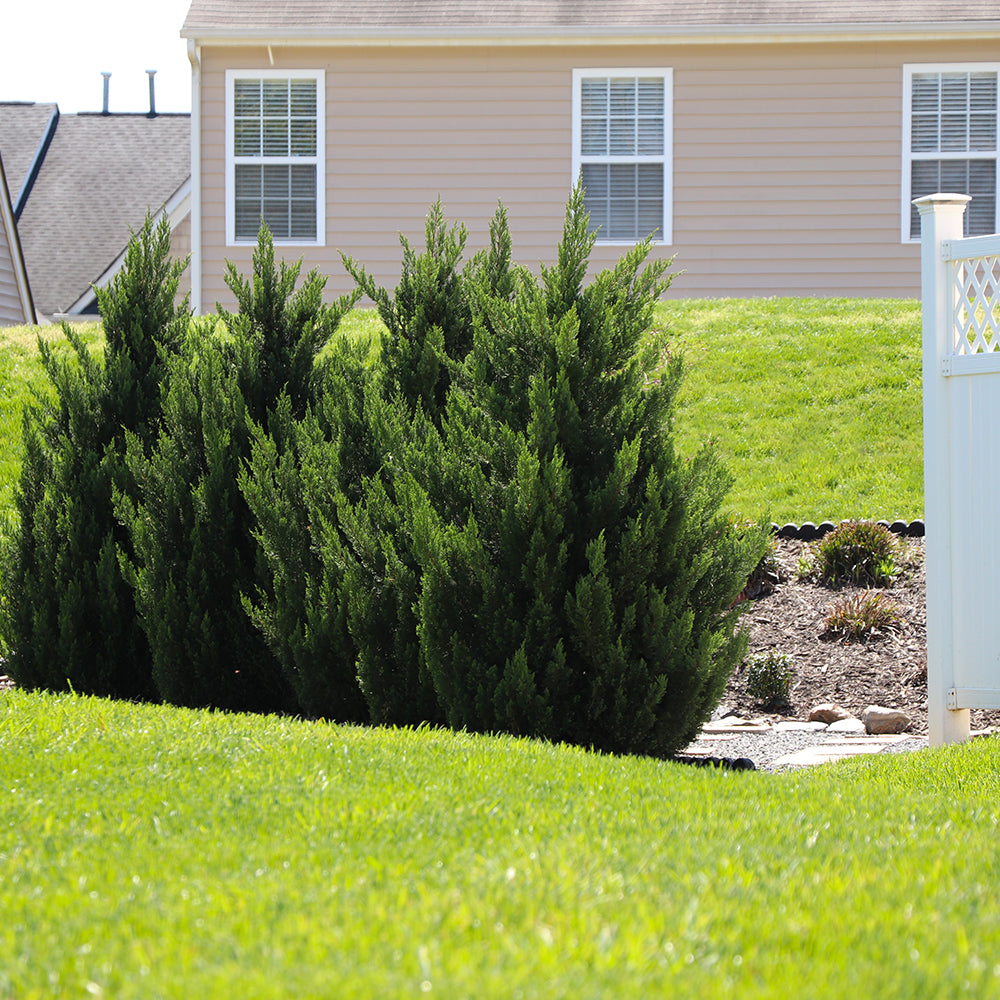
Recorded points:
(196, 553)
(67, 615)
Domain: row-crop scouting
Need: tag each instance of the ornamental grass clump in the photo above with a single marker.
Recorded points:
(862, 615)
(862, 553)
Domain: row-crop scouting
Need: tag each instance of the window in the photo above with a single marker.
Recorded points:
(274, 155)
(950, 141)
(621, 151)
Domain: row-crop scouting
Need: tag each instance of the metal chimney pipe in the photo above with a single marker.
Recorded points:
(107, 77)
(152, 93)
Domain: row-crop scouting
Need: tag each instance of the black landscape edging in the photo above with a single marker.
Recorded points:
(809, 532)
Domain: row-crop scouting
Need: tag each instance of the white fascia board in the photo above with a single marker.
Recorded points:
(175, 210)
(666, 35)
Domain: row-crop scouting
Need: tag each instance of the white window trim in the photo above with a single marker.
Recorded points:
(666, 235)
(909, 70)
(320, 158)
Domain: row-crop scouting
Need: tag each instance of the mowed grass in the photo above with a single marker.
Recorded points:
(156, 852)
(814, 404)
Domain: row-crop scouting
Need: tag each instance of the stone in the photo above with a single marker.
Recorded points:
(825, 754)
(851, 725)
(828, 712)
(799, 727)
(878, 720)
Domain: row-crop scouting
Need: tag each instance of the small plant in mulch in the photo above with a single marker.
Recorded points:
(769, 678)
(862, 553)
(861, 616)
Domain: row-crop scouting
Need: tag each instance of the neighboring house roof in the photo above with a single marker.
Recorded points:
(330, 19)
(97, 179)
(27, 129)
(16, 306)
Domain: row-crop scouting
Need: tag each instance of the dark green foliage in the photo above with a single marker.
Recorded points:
(769, 678)
(195, 550)
(68, 615)
(864, 553)
(302, 612)
(428, 319)
(341, 606)
(577, 578)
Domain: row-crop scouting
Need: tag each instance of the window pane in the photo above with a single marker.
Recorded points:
(924, 134)
(981, 215)
(246, 97)
(622, 203)
(651, 96)
(651, 137)
(246, 137)
(623, 96)
(303, 183)
(983, 132)
(594, 137)
(621, 138)
(248, 188)
(303, 137)
(303, 220)
(275, 98)
(275, 137)
(594, 95)
(275, 182)
(303, 98)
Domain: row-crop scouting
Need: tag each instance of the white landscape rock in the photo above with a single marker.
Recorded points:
(879, 720)
(850, 725)
(828, 712)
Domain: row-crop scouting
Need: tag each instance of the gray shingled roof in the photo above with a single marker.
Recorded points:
(100, 176)
(22, 131)
(330, 18)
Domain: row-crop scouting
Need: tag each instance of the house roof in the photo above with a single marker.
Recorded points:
(331, 19)
(98, 178)
(25, 129)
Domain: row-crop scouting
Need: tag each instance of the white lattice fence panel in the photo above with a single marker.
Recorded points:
(977, 305)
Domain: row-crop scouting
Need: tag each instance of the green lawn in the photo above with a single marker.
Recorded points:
(156, 852)
(815, 404)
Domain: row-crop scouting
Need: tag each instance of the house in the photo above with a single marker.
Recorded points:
(16, 306)
(79, 184)
(773, 146)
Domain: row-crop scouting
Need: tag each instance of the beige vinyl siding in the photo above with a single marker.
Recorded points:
(10, 302)
(11, 309)
(787, 157)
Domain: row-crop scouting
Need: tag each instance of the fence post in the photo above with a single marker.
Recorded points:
(940, 220)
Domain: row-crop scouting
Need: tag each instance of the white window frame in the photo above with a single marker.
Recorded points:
(665, 236)
(319, 159)
(909, 71)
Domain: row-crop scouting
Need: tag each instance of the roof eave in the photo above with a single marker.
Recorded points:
(665, 35)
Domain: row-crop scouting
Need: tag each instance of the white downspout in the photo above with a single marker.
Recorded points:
(194, 56)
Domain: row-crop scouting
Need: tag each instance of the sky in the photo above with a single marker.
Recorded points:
(56, 50)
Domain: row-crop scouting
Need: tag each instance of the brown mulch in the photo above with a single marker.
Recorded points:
(888, 669)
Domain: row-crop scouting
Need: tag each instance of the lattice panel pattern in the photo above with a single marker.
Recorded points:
(977, 305)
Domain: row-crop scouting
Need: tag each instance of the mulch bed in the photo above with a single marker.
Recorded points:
(888, 669)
